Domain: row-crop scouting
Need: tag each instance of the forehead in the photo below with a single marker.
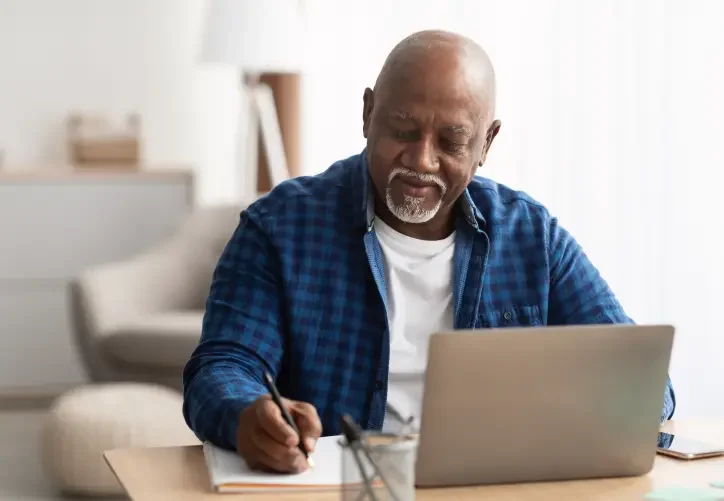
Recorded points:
(434, 83)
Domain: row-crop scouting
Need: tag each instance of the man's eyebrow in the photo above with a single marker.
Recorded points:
(460, 129)
(403, 116)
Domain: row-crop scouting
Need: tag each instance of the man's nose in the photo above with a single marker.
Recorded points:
(421, 156)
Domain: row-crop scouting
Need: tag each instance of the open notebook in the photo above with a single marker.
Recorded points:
(229, 472)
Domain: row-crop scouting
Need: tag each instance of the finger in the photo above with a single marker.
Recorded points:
(280, 453)
(265, 462)
(270, 418)
(308, 422)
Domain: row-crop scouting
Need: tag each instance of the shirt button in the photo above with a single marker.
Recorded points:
(507, 315)
(378, 385)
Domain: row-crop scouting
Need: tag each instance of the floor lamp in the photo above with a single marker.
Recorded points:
(258, 37)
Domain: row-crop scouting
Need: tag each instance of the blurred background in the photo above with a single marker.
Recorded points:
(125, 159)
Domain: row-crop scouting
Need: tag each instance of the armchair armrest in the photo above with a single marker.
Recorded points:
(154, 281)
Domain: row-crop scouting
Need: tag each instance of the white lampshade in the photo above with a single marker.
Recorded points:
(255, 35)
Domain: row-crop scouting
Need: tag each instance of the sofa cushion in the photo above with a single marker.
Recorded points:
(204, 263)
(160, 341)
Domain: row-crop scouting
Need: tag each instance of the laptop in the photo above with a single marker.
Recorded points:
(541, 404)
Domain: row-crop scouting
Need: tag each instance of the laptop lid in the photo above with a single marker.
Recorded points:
(537, 404)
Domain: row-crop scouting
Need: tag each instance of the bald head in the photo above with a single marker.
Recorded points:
(436, 52)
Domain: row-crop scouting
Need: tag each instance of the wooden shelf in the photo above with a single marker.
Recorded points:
(69, 172)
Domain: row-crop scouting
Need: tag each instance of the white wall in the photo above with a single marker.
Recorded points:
(611, 116)
(115, 57)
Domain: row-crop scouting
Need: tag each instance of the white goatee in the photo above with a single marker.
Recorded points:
(411, 210)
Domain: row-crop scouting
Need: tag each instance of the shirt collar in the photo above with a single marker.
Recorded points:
(469, 211)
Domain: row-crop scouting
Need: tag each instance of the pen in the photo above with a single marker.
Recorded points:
(269, 380)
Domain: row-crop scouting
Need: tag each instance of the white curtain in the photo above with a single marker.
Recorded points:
(611, 112)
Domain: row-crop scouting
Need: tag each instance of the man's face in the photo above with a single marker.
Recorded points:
(426, 135)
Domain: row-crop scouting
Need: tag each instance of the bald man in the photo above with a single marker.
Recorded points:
(334, 283)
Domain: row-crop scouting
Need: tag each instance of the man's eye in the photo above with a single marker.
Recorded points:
(406, 135)
(452, 146)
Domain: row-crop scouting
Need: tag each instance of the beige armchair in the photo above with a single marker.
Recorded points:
(139, 320)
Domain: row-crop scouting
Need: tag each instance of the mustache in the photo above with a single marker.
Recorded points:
(423, 177)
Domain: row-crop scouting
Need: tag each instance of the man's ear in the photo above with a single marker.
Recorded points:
(368, 103)
(489, 137)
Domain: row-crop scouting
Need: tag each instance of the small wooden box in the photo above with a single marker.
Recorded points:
(93, 141)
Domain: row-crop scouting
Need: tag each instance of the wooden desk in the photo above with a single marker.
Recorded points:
(179, 474)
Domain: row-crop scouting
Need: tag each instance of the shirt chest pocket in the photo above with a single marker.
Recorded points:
(514, 316)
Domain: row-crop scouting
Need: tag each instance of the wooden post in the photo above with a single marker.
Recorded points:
(286, 88)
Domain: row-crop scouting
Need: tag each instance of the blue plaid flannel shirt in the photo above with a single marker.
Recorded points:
(299, 291)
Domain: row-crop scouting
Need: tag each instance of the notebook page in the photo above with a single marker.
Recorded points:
(228, 471)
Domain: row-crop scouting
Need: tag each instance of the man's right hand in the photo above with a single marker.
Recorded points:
(267, 442)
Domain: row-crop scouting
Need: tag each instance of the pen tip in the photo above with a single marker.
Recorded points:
(310, 462)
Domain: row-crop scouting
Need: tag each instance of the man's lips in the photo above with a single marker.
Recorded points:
(416, 188)
(416, 182)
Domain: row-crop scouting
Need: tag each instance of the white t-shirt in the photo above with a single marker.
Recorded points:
(419, 299)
